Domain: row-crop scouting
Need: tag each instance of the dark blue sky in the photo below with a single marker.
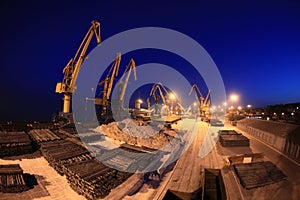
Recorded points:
(255, 44)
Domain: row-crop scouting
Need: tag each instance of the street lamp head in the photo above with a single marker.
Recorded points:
(172, 96)
(234, 97)
(139, 100)
(249, 106)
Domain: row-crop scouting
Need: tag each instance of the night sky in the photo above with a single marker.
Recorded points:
(255, 44)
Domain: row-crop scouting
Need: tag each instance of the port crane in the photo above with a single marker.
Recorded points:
(107, 84)
(71, 70)
(156, 93)
(129, 68)
(203, 103)
(121, 87)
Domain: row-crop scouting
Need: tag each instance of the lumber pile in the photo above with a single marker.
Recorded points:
(60, 134)
(11, 178)
(13, 126)
(14, 143)
(258, 174)
(92, 179)
(43, 135)
(58, 153)
(131, 159)
(230, 138)
(42, 125)
(90, 137)
(85, 174)
(252, 157)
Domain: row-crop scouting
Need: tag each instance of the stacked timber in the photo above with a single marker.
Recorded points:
(42, 125)
(14, 143)
(90, 137)
(59, 153)
(92, 179)
(59, 134)
(258, 174)
(252, 157)
(11, 178)
(43, 135)
(131, 159)
(230, 138)
(13, 126)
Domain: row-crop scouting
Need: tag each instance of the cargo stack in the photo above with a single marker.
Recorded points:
(43, 135)
(11, 178)
(93, 179)
(58, 153)
(258, 174)
(230, 138)
(14, 143)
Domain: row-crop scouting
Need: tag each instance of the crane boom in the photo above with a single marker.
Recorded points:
(153, 92)
(67, 86)
(130, 67)
(203, 103)
(108, 83)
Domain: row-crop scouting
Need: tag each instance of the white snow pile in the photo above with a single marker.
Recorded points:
(137, 133)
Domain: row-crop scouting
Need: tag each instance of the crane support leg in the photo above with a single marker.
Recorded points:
(67, 101)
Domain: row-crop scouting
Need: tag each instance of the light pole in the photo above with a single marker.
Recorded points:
(249, 109)
(172, 98)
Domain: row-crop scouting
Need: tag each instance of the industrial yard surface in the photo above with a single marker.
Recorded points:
(185, 177)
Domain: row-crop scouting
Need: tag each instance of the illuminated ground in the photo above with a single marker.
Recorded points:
(185, 177)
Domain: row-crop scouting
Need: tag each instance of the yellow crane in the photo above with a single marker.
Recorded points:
(117, 107)
(108, 84)
(203, 103)
(130, 67)
(198, 95)
(67, 86)
(206, 103)
(157, 93)
(172, 97)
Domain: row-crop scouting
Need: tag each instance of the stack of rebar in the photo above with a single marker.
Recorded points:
(43, 135)
(14, 143)
(85, 174)
(92, 179)
(11, 178)
(230, 138)
(258, 174)
(58, 153)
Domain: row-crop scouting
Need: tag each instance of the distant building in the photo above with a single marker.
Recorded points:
(282, 136)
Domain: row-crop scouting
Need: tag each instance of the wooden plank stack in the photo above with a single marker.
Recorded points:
(58, 153)
(230, 138)
(129, 158)
(255, 157)
(11, 178)
(258, 174)
(92, 179)
(85, 174)
(43, 135)
(14, 143)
